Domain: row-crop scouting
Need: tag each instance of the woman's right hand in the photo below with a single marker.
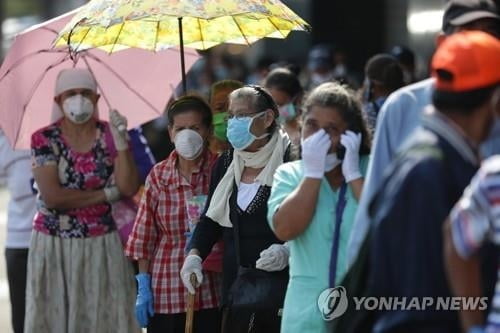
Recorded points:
(118, 126)
(314, 151)
(350, 165)
(144, 303)
(192, 264)
(112, 194)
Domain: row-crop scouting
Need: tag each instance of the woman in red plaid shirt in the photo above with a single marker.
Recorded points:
(174, 195)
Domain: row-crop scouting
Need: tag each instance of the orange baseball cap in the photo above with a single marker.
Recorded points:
(465, 61)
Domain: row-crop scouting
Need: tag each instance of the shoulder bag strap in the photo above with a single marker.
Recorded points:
(339, 211)
(235, 221)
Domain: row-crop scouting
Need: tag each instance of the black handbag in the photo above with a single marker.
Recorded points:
(255, 289)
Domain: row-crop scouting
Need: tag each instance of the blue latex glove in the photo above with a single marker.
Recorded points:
(144, 303)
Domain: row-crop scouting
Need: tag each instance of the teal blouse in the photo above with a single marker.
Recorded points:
(310, 252)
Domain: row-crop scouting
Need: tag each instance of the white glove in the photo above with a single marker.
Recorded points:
(350, 165)
(314, 151)
(273, 259)
(192, 264)
(119, 130)
(112, 194)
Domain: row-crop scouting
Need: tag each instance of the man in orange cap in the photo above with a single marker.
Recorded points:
(475, 219)
(427, 179)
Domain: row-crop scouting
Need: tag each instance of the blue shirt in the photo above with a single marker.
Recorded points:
(398, 118)
(415, 197)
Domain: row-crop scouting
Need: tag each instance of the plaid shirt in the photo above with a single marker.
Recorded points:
(159, 234)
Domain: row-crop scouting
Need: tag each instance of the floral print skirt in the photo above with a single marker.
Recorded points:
(79, 285)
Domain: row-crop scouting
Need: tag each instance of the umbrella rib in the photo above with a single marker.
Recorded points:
(157, 35)
(70, 34)
(24, 58)
(98, 85)
(81, 40)
(201, 34)
(117, 37)
(34, 88)
(241, 31)
(277, 29)
(50, 29)
(125, 83)
(37, 82)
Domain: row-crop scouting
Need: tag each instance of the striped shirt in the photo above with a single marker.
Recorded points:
(476, 219)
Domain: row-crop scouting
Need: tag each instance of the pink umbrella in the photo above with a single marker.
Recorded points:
(136, 82)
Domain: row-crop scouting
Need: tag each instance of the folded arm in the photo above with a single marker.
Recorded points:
(57, 197)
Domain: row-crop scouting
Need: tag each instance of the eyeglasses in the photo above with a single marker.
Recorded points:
(243, 115)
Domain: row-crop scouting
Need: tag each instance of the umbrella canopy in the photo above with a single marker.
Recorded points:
(135, 82)
(153, 24)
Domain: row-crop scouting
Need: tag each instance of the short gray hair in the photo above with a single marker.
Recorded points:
(257, 97)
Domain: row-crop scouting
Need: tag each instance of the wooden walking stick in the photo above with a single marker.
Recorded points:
(190, 305)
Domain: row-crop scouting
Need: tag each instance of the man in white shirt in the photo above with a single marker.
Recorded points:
(15, 166)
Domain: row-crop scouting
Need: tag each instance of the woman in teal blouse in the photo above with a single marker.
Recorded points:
(313, 197)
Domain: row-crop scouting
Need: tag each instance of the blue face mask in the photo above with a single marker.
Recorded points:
(238, 131)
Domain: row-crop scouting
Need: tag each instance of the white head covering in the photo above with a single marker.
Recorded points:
(72, 78)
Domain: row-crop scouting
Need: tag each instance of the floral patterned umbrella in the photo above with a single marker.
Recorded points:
(160, 24)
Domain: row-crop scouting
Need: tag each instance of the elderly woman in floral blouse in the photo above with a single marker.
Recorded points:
(78, 277)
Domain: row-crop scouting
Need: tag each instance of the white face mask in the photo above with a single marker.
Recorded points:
(78, 109)
(331, 162)
(188, 144)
